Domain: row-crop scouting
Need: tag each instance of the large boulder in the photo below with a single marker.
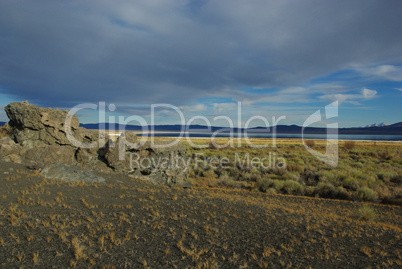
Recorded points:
(34, 126)
(159, 162)
(11, 151)
(91, 159)
(39, 137)
(41, 157)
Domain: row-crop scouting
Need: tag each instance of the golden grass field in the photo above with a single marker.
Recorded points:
(131, 223)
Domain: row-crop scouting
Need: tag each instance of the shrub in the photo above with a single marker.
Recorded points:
(264, 184)
(326, 190)
(349, 144)
(383, 193)
(310, 143)
(366, 213)
(278, 171)
(210, 174)
(290, 187)
(350, 183)
(365, 193)
(212, 144)
(293, 167)
(325, 176)
(279, 184)
(271, 191)
(251, 176)
(210, 178)
(396, 179)
(358, 165)
(292, 176)
(225, 180)
(342, 193)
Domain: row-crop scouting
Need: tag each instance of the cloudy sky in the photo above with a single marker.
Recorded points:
(278, 58)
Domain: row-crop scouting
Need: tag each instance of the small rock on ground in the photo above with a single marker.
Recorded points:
(71, 173)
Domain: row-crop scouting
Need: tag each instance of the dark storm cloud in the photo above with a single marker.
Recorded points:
(60, 53)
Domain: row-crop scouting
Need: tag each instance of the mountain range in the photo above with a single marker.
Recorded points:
(374, 129)
(382, 124)
(392, 129)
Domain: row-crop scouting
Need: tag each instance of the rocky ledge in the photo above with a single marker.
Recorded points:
(44, 138)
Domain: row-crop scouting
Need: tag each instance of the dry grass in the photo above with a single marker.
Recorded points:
(349, 144)
(130, 223)
(366, 213)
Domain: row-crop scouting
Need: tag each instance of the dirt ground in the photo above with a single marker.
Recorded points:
(130, 223)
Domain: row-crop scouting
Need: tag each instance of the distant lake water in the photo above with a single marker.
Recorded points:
(268, 135)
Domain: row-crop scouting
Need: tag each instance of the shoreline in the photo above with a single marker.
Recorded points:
(149, 134)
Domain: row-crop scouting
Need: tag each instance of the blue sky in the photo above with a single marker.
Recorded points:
(276, 58)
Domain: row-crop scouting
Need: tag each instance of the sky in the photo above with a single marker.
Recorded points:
(209, 60)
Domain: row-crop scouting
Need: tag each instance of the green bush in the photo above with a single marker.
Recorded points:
(250, 176)
(271, 191)
(350, 183)
(278, 185)
(342, 193)
(365, 193)
(327, 176)
(396, 179)
(366, 213)
(264, 184)
(210, 174)
(295, 167)
(289, 187)
(326, 190)
(225, 180)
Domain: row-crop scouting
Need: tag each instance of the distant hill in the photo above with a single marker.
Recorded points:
(374, 129)
(392, 129)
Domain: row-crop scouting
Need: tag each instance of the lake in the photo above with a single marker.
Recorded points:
(269, 135)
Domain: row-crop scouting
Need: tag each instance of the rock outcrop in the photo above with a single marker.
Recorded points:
(34, 126)
(160, 162)
(40, 139)
(70, 173)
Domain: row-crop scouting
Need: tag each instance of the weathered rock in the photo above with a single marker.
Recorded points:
(161, 162)
(7, 141)
(117, 153)
(142, 156)
(15, 158)
(34, 126)
(43, 156)
(71, 173)
(84, 157)
(8, 147)
(39, 138)
(88, 159)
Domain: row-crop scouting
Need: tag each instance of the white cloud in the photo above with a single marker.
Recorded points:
(224, 107)
(368, 93)
(352, 98)
(388, 72)
(194, 108)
